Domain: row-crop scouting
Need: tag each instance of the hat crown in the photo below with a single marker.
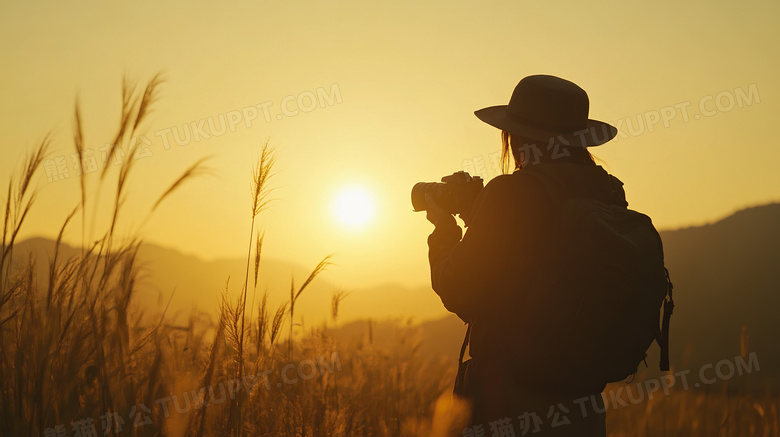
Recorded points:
(551, 103)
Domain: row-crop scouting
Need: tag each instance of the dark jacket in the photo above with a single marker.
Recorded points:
(477, 277)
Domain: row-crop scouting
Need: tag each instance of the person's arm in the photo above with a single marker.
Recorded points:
(470, 273)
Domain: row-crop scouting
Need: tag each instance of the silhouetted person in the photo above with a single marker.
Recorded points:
(482, 275)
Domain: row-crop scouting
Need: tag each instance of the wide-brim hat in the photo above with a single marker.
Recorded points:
(547, 108)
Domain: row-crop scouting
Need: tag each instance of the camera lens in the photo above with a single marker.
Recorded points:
(418, 195)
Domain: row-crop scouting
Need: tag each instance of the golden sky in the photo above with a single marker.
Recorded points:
(378, 96)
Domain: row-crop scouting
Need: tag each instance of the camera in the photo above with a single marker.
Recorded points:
(455, 193)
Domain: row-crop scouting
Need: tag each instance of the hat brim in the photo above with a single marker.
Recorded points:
(595, 134)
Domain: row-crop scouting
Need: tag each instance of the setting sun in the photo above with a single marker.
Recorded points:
(353, 207)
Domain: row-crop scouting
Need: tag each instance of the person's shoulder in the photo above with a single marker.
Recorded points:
(504, 182)
(499, 181)
(517, 178)
(516, 184)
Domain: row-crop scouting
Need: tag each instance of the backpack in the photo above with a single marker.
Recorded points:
(596, 297)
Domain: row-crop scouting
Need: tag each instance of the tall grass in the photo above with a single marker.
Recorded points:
(71, 348)
(78, 352)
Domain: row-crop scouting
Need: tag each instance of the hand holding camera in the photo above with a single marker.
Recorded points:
(455, 194)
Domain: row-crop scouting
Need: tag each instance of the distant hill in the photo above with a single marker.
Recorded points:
(199, 284)
(726, 277)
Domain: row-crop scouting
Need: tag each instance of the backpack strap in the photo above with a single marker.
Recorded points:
(663, 337)
(460, 379)
(618, 192)
(465, 343)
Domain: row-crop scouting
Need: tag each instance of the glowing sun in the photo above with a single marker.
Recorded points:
(353, 207)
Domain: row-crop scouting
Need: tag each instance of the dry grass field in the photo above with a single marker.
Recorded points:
(81, 356)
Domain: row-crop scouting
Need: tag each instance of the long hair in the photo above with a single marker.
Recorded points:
(514, 150)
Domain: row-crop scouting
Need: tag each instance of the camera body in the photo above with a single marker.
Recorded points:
(455, 193)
